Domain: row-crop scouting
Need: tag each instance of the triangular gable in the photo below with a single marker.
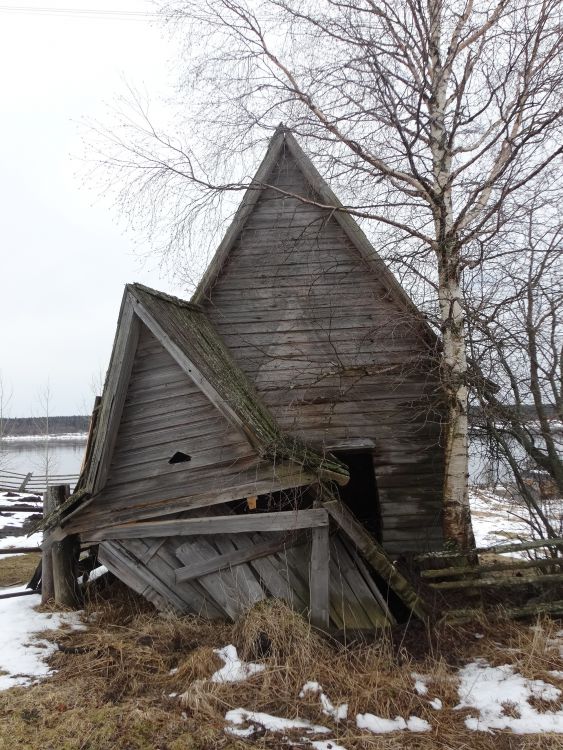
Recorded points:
(189, 338)
(323, 196)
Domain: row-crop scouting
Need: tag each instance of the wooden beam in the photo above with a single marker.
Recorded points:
(237, 557)
(282, 521)
(52, 498)
(26, 592)
(500, 582)
(65, 556)
(375, 555)
(556, 562)
(498, 549)
(528, 610)
(319, 577)
(19, 550)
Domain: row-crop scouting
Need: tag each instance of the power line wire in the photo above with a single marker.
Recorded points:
(116, 15)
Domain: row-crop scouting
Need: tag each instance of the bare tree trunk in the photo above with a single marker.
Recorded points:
(456, 511)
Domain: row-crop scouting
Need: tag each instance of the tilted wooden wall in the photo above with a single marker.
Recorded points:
(332, 354)
(165, 412)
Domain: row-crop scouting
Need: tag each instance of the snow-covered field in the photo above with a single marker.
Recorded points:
(23, 651)
(12, 523)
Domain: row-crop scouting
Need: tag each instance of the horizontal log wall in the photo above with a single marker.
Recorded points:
(165, 412)
(333, 355)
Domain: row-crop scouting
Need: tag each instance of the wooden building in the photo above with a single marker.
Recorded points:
(277, 435)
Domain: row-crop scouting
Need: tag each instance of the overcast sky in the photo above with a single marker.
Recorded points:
(64, 258)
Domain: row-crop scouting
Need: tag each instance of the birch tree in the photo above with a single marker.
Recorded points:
(429, 117)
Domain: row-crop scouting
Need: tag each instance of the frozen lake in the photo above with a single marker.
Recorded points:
(23, 456)
(65, 457)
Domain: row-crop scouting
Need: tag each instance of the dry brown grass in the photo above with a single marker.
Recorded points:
(17, 570)
(113, 690)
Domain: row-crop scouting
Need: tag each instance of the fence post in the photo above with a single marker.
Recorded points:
(50, 502)
(23, 485)
(64, 557)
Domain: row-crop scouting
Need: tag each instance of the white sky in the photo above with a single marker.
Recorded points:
(63, 259)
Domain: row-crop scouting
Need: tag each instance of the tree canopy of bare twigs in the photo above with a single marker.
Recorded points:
(516, 339)
(430, 119)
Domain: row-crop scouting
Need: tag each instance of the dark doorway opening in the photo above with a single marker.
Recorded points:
(360, 494)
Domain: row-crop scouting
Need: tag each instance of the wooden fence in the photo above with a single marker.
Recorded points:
(449, 572)
(33, 483)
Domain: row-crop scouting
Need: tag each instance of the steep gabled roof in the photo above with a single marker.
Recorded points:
(324, 196)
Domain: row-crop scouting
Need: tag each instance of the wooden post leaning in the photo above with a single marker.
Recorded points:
(63, 558)
(50, 503)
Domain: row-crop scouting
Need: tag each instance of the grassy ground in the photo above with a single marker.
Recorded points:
(113, 682)
(17, 570)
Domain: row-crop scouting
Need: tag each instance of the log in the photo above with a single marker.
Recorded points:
(21, 509)
(26, 592)
(65, 556)
(529, 610)
(498, 582)
(19, 550)
(62, 556)
(477, 569)
(498, 549)
(52, 498)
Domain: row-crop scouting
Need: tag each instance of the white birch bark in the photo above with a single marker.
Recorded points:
(456, 512)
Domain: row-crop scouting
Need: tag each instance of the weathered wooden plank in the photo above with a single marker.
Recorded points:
(375, 555)
(232, 593)
(282, 521)
(151, 505)
(371, 584)
(114, 395)
(493, 568)
(237, 556)
(359, 594)
(500, 582)
(125, 565)
(319, 577)
(240, 579)
(191, 592)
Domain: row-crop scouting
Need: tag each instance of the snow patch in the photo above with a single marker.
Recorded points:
(338, 713)
(420, 681)
(22, 654)
(257, 720)
(378, 725)
(234, 670)
(501, 697)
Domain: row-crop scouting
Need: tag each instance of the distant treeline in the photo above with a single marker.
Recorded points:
(20, 426)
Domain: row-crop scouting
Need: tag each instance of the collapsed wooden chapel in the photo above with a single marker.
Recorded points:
(279, 434)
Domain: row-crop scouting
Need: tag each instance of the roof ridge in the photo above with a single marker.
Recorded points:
(164, 296)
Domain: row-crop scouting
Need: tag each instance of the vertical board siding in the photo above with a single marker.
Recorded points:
(333, 356)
